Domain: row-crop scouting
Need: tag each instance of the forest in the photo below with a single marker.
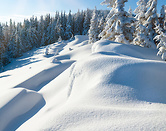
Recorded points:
(143, 27)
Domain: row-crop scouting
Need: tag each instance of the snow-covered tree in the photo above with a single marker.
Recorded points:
(86, 24)
(78, 24)
(162, 16)
(60, 39)
(59, 28)
(141, 32)
(118, 26)
(47, 50)
(151, 18)
(2, 47)
(141, 37)
(69, 23)
(141, 9)
(93, 31)
(162, 42)
(130, 12)
(101, 25)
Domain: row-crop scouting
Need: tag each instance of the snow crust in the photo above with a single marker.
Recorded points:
(100, 86)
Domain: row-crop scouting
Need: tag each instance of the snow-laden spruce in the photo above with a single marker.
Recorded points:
(118, 26)
(69, 26)
(93, 31)
(130, 12)
(162, 18)
(141, 33)
(151, 19)
(101, 24)
(161, 38)
(86, 23)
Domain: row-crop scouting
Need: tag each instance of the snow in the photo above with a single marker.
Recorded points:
(100, 86)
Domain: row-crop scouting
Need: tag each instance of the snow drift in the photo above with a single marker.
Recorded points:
(103, 86)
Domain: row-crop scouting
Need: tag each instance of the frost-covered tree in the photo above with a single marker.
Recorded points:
(93, 31)
(59, 28)
(69, 23)
(118, 26)
(141, 37)
(2, 47)
(101, 25)
(19, 48)
(78, 26)
(141, 10)
(60, 39)
(86, 24)
(130, 12)
(141, 32)
(162, 42)
(162, 16)
(151, 18)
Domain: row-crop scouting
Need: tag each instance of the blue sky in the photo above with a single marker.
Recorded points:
(20, 9)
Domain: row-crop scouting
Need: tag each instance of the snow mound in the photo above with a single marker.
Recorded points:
(120, 77)
(79, 40)
(19, 105)
(100, 86)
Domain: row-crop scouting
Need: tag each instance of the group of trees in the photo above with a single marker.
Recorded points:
(17, 38)
(145, 28)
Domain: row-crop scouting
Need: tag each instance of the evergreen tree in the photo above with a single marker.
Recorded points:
(2, 48)
(78, 26)
(59, 28)
(93, 31)
(40, 31)
(69, 30)
(141, 9)
(162, 17)
(162, 42)
(118, 26)
(151, 19)
(141, 37)
(101, 25)
(86, 24)
(130, 12)
(141, 32)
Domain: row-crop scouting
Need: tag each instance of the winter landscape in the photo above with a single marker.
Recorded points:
(95, 70)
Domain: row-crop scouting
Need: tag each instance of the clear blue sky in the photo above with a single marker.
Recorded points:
(19, 9)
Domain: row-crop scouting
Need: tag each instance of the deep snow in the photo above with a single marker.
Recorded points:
(81, 86)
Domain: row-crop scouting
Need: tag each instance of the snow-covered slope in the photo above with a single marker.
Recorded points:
(103, 86)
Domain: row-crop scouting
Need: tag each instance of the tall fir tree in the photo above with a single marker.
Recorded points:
(151, 19)
(141, 32)
(69, 31)
(162, 16)
(161, 38)
(86, 24)
(93, 31)
(118, 26)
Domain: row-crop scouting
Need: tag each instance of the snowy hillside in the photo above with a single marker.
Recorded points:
(81, 86)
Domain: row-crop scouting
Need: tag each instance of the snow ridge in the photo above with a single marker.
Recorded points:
(100, 86)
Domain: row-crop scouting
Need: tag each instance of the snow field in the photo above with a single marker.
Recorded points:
(100, 86)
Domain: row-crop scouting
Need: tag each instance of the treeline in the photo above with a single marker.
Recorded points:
(146, 28)
(17, 38)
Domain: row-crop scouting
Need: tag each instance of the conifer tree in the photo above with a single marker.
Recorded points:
(101, 25)
(161, 37)
(130, 12)
(141, 32)
(69, 31)
(118, 26)
(151, 19)
(162, 16)
(93, 31)
(86, 24)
